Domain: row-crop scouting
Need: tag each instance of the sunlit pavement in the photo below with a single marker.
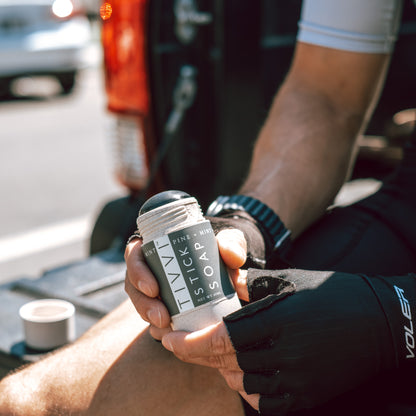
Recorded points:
(55, 170)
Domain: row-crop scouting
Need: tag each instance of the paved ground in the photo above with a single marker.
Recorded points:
(55, 173)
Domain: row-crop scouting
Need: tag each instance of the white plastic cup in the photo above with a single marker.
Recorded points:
(48, 323)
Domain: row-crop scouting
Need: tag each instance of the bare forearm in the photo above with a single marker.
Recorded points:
(306, 147)
(302, 157)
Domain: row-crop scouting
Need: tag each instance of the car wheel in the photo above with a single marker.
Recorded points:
(67, 81)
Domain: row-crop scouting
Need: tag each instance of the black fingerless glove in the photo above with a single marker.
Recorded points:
(256, 243)
(310, 336)
(256, 249)
(268, 237)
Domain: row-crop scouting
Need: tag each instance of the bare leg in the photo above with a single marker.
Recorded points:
(116, 368)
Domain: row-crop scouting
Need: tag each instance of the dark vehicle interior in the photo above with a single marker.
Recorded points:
(241, 58)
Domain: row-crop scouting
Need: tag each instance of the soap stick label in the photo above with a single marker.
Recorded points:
(188, 267)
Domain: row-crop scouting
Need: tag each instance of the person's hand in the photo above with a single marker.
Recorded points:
(143, 289)
(306, 338)
(211, 347)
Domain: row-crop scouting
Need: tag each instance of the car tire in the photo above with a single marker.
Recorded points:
(67, 81)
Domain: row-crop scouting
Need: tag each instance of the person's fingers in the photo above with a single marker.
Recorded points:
(234, 379)
(150, 309)
(210, 347)
(239, 279)
(159, 333)
(139, 273)
(252, 399)
(233, 247)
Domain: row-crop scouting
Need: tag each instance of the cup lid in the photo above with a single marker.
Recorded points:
(47, 310)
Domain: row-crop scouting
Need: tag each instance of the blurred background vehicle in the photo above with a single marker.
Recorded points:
(42, 37)
(189, 84)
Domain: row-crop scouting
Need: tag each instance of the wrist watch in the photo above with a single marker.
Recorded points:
(269, 221)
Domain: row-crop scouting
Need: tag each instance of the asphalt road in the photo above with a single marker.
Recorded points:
(55, 173)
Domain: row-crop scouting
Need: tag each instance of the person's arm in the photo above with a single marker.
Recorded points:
(306, 148)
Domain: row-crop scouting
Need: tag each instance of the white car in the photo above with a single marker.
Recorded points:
(42, 37)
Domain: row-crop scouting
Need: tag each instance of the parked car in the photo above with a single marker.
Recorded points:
(209, 68)
(42, 37)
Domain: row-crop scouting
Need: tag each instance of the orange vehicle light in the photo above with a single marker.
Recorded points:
(106, 11)
(125, 55)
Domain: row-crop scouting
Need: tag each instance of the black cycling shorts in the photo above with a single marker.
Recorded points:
(376, 235)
